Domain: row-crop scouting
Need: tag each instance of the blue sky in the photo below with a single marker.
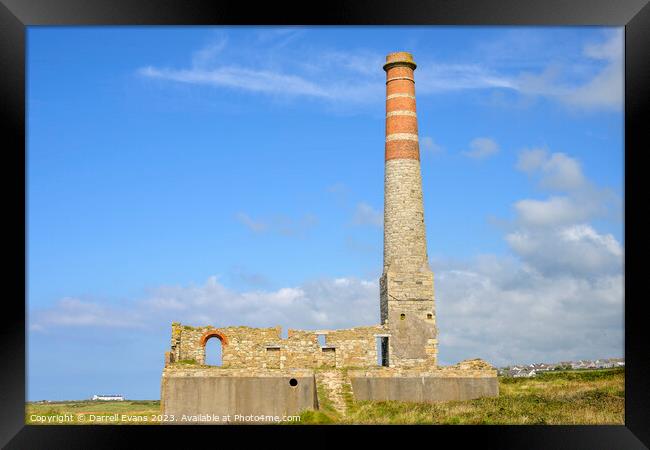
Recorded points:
(234, 175)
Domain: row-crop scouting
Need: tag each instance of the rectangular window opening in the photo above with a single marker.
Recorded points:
(272, 357)
(384, 351)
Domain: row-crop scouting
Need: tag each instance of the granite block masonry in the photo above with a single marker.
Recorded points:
(406, 285)
(265, 374)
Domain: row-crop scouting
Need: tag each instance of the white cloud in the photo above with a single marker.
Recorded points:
(264, 81)
(579, 202)
(287, 226)
(504, 313)
(333, 303)
(556, 171)
(490, 307)
(73, 312)
(550, 212)
(575, 249)
(279, 224)
(350, 76)
(531, 160)
(248, 222)
(481, 148)
(610, 50)
(207, 55)
(433, 77)
(279, 64)
(603, 90)
(337, 188)
(428, 145)
(553, 236)
(364, 214)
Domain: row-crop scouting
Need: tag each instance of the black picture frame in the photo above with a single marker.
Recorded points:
(16, 15)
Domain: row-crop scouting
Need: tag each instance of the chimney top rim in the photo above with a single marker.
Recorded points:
(399, 59)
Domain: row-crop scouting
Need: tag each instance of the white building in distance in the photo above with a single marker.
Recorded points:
(119, 398)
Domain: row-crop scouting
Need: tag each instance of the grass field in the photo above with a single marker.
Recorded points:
(578, 397)
(573, 397)
(89, 412)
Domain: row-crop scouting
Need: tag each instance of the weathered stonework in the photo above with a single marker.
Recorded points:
(264, 348)
(259, 361)
(406, 286)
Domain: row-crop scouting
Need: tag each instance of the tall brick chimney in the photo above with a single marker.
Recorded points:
(406, 285)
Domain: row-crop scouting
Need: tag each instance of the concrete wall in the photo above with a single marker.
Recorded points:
(218, 393)
(423, 389)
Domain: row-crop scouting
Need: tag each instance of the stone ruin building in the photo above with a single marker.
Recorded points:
(263, 373)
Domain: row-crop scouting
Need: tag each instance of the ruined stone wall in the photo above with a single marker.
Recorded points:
(470, 368)
(300, 349)
(264, 348)
(241, 346)
(355, 347)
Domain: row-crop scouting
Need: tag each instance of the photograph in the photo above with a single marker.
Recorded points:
(300, 225)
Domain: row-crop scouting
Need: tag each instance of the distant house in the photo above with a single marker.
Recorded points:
(580, 364)
(531, 370)
(112, 398)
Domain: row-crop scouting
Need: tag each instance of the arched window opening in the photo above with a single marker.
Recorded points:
(213, 352)
(213, 342)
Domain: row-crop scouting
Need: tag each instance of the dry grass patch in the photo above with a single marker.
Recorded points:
(589, 397)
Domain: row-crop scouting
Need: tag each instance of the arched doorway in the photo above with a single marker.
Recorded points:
(213, 349)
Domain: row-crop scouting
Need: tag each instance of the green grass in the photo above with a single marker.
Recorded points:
(188, 361)
(326, 412)
(585, 397)
(89, 412)
(572, 397)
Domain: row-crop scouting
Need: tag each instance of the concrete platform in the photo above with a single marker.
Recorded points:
(215, 395)
(424, 389)
(211, 396)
